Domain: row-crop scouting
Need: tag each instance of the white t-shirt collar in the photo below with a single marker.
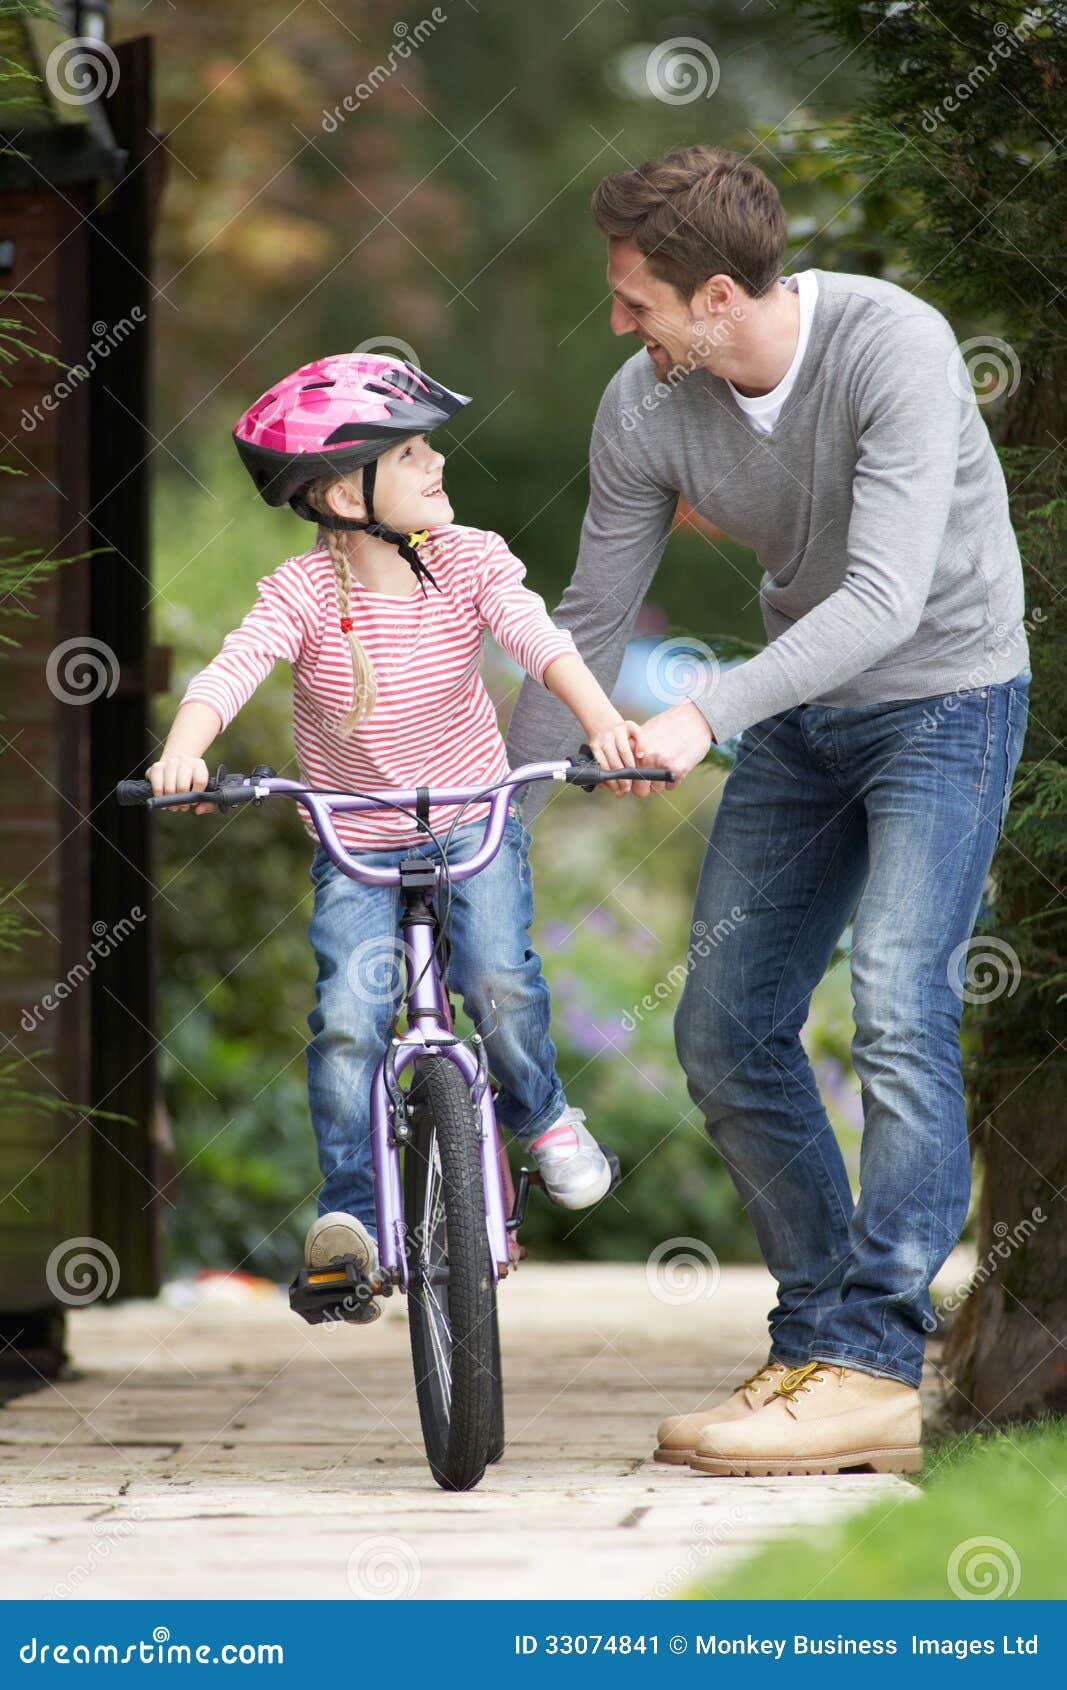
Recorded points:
(763, 410)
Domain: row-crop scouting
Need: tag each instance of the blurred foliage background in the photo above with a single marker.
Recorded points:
(446, 214)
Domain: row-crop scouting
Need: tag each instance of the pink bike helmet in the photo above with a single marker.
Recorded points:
(333, 416)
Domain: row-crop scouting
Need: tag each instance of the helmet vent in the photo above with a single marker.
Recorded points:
(349, 431)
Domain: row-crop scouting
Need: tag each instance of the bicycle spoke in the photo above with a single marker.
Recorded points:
(441, 1339)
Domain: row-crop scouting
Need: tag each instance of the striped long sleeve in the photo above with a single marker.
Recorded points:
(280, 626)
(515, 615)
(433, 723)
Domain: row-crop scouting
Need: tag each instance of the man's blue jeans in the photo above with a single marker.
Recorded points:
(886, 816)
(493, 967)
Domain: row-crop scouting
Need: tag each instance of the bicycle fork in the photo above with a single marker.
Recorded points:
(429, 1036)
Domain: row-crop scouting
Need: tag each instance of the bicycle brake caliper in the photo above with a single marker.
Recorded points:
(397, 1101)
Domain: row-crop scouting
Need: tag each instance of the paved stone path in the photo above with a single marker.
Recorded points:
(229, 1450)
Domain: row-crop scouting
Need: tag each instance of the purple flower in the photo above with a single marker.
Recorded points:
(601, 921)
(591, 1036)
(641, 940)
(555, 936)
(834, 1083)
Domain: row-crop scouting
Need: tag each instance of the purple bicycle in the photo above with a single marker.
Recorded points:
(447, 1211)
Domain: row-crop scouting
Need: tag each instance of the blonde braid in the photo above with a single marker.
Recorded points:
(364, 682)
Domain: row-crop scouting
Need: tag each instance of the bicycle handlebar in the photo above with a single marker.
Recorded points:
(228, 790)
(131, 792)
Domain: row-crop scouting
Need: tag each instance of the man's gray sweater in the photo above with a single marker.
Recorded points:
(876, 506)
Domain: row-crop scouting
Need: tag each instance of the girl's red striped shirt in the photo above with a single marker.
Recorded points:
(433, 723)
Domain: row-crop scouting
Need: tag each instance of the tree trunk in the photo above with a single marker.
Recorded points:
(1007, 1352)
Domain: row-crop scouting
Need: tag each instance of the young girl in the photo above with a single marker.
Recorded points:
(382, 622)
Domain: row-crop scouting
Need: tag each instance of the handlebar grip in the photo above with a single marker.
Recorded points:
(133, 791)
(588, 775)
(140, 792)
(225, 791)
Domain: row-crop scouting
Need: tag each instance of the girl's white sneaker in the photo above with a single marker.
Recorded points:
(574, 1169)
(340, 1235)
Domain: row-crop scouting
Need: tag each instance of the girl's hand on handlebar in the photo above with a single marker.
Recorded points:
(617, 747)
(176, 773)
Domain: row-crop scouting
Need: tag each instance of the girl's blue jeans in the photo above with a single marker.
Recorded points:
(886, 816)
(493, 968)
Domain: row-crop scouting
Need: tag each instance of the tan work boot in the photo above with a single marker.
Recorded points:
(821, 1419)
(677, 1437)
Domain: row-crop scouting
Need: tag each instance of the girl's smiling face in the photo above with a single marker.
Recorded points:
(409, 491)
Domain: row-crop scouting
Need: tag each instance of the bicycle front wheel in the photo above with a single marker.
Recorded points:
(451, 1292)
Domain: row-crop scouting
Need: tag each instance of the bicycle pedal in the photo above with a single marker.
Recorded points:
(341, 1291)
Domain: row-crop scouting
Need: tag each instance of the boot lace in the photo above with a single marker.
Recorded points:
(761, 1375)
(803, 1378)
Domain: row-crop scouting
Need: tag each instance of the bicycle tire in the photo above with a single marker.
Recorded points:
(497, 1440)
(451, 1292)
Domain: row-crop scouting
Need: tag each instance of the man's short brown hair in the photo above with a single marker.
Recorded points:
(698, 212)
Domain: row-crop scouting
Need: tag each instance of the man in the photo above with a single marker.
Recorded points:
(827, 422)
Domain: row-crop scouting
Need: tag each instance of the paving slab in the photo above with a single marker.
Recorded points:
(225, 1450)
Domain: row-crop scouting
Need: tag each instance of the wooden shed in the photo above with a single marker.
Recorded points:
(80, 177)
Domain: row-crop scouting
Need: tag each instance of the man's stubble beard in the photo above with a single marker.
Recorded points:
(674, 367)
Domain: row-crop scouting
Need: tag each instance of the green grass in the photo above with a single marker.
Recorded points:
(1007, 1491)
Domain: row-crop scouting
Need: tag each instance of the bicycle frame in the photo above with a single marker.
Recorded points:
(429, 1033)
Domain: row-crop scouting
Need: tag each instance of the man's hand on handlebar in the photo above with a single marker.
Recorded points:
(677, 739)
(177, 773)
